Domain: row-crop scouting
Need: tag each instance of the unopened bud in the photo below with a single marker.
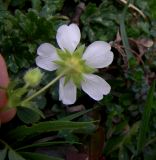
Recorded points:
(33, 77)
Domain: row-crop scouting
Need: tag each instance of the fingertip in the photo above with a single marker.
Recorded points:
(7, 115)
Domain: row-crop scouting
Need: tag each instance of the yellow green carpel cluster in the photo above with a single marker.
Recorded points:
(33, 77)
(74, 64)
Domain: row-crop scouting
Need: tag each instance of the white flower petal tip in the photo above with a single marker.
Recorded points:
(98, 54)
(67, 92)
(47, 50)
(45, 63)
(95, 86)
(68, 37)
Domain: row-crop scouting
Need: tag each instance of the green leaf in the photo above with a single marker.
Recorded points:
(113, 144)
(144, 125)
(68, 135)
(27, 115)
(119, 141)
(33, 106)
(36, 4)
(152, 6)
(14, 156)
(3, 153)
(40, 102)
(38, 156)
(22, 132)
(99, 26)
(37, 111)
(51, 6)
(46, 144)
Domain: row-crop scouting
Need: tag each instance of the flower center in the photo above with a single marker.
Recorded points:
(75, 65)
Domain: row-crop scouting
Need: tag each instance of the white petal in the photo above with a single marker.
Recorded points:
(67, 92)
(46, 63)
(68, 37)
(47, 50)
(98, 54)
(95, 86)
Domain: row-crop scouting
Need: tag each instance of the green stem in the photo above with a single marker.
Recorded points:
(45, 87)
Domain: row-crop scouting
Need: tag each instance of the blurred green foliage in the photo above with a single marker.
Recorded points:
(23, 30)
(25, 24)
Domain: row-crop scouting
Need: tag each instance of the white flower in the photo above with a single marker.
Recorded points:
(97, 55)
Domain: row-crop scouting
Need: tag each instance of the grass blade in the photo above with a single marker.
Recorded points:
(145, 119)
(46, 144)
(76, 115)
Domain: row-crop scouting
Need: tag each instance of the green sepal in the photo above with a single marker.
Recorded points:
(89, 70)
(12, 86)
(79, 51)
(63, 54)
(59, 63)
(77, 79)
(15, 96)
(67, 78)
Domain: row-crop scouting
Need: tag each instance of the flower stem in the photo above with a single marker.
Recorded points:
(44, 88)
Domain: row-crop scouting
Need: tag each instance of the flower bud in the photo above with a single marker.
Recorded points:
(33, 77)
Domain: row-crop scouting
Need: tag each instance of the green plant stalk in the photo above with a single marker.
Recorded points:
(124, 33)
(38, 92)
(45, 87)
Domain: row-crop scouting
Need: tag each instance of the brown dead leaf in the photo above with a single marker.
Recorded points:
(138, 47)
(97, 144)
(75, 155)
(77, 108)
(141, 45)
(117, 45)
